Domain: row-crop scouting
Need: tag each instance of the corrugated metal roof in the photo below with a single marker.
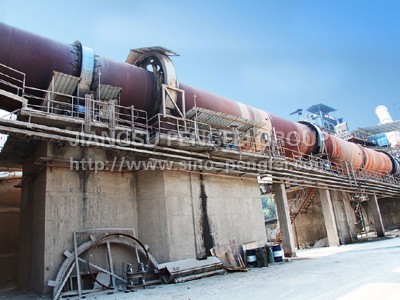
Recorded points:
(222, 120)
(377, 129)
(108, 92)
(64, 83)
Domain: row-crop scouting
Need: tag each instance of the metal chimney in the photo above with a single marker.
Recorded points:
(384, 116)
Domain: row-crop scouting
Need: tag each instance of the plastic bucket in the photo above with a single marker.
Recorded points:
(278, 253)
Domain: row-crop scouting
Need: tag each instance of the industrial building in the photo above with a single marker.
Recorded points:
(121, 155)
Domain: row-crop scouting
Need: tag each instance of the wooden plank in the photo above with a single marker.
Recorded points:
(229, 260)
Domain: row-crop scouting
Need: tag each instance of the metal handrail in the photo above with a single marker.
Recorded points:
(130, 117)
(178, 127)
(21, 81)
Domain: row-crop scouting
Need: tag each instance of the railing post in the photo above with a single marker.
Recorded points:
(88, 111)
(159, 123)
(112, 119)
(72, 106)
(52, 93)
(132, 123)
(23, 85)
(183, 105)
(163, 101)
(48, 102)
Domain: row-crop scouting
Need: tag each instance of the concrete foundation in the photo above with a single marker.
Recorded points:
(58, 201)
(376, 214)
(309, 226)
(345, 218)
(390, 212)
(367, 217)
(179, 215)
(183, 215)
(9, 229)
(329, 217)
(282, 210)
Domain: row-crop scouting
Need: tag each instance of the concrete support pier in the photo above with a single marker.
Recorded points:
(285, 225)
(178, 215)
(345, 217)
(329, 217)
(9, 228)
(376, 214)
(183, 215)
(390, 212)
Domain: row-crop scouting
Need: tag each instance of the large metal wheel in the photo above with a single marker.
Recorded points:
(101, 264)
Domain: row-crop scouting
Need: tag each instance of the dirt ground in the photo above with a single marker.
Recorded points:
(368, 270)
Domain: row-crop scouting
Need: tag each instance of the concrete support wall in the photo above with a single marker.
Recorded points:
(165, 214)
(376, 214)
(285, 225)
(9, 229)
(351, 216)
(234, 209)
(390, 212)
(59, 201)
(183, 215)
(179, 215)
(32, 233)
(367, 216)
(345, 217)
(310, 226)
(329, 217)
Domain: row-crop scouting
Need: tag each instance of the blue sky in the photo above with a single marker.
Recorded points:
(273, 55)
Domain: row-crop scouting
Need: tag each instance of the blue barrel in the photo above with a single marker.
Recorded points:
(251, 258)
(278, 253)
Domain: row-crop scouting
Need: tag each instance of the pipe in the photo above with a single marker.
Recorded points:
(139, 86)
(38, 57)
(340, 150)
(303, 137)
(35, 56)
(294, 136)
